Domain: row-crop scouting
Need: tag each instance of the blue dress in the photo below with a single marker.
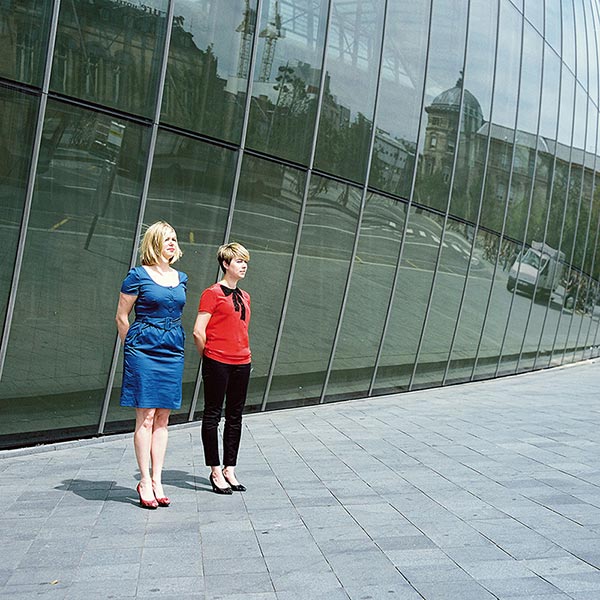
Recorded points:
(153, 349)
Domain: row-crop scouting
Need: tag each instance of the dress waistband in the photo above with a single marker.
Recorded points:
(165, 323)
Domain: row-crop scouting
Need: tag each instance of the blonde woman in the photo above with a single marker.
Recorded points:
(153, 353)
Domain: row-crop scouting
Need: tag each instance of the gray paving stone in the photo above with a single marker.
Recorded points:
(241, 583)
(463, 490)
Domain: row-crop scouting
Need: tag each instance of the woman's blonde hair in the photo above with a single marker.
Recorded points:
(152, 244)
(227, 252)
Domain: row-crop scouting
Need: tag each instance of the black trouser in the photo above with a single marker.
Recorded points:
(221, 381)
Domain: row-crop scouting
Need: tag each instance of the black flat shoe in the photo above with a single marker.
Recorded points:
(236, 488)
(219, 490)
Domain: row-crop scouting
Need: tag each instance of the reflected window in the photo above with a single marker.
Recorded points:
(287, 77)
(352, 63)
(78, 247)
(93, 38)
(209, 61)
(24, 28)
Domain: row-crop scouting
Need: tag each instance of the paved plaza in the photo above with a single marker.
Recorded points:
(469, 492)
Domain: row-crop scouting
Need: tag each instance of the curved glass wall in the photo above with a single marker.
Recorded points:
(417, 183)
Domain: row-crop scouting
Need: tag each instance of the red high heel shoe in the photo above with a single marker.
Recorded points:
(151, 504)
(166, 501)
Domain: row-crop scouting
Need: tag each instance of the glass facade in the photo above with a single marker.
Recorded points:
(417, 183)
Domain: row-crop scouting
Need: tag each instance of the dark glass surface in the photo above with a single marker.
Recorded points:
(78, 246)
(352, 63)
(521, 197)
(400, 93)
(265, 220)
(539, 224)
(467, 336)
(15, 148)
(443, 91)
(573, 227)
(526, 140)
(503, 121)
(190, 188)
(109, 52)
(314, 305)
(437, 147)
(287, 77)
(478, 85)
(497, 202)
(209, 61)
(438, 330)
(381, 231)
(422, 238)
(24, 28)
(466, 193)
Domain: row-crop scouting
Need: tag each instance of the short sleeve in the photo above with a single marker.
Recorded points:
(131, 283)
(183, 279)
(208, 301)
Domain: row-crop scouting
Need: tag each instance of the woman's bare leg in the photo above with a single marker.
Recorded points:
(142, 442)
(160, 436)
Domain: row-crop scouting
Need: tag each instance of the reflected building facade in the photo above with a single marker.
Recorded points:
(389, 164)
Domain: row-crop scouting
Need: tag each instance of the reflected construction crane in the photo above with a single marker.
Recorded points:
(272, 32)
(246, 28)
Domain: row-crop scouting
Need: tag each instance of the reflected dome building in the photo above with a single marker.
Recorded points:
(389, 164)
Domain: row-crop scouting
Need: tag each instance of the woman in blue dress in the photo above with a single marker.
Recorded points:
(153, 353)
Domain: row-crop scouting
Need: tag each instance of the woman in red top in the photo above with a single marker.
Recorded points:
(221, 336)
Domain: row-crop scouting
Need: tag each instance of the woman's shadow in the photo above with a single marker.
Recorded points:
(109, 491)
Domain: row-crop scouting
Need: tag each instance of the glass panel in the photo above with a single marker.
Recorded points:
(468, 329)
(568, 32)
(553, 304)
(479, 74)
(437, 143)
(503, 120)
(190, 188)
(571, 226)
(553, 23)
(422, 238)
(109, 52)
(538, 220)
(581, 47)
(458, 238)
(593, 53)
(352, 64)
(209, 61)
(521, 199)
(79, 242)
(497, 201)
(314, 305)
(287, 77)
(445, 303)
(468, 189)
(267, 210)
(523, 161)
(381, 231)
(558, 211)
(15, 148)
(534, 12)
(24, 28)
(400, 92)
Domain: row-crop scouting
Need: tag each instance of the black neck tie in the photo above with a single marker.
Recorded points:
(238, 300)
